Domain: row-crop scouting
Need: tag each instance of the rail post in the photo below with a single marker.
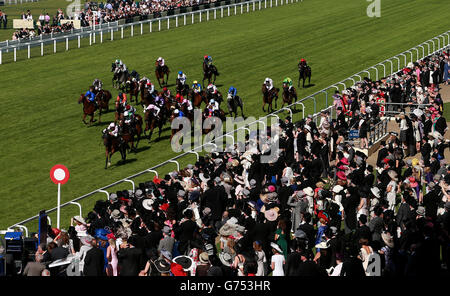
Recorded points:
(54, 45)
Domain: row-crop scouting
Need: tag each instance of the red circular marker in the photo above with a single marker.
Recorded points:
(59, 174)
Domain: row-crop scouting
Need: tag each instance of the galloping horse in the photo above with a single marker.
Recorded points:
(119, 112)
(208, 72)
(146, 97)
(128, 132)
(152, 121)
(112, 145)
(218, 113)
(197, 98)
(119, 77)
(182, 89)
(159, 73)
(103, 96)
(133, 89)
(89, 108)
(268, 96)
(289, 95)
(233, 103)
(304, 72)
(218, 97)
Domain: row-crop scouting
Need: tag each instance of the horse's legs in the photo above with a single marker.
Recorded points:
(84, 118)
(299, 77)
(264, 104)
(106, 159)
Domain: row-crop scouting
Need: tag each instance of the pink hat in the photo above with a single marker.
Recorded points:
(342, 176)
(344, 160)
(412, 182)
(271, 188)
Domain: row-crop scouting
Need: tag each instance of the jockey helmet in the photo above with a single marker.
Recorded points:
(178, 96)
(267, 79)
(117, 61)
(209, 57)
(205, 57)
(126, 113)
(160, 58)
(180, 72)
(128, 107)
(111, 125)
(176, 111)
(302, 60)
(120, 94)
(195, 82)
(165, 89)
(212, 101)
(231, 89)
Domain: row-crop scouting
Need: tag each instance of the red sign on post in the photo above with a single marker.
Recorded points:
(59, 174)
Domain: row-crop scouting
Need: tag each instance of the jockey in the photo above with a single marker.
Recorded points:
(179, 98)
(90, 95)
(178, 113)
(122, 98)
(154, 109)
(213, 105)
(207, 61)
(134, 75)
(131, 110)
(196, 87)
(128, 116)
(212, 89)
(302, 62)
(112, 130)
(159, 101)
(160, 61)
(288, 82)
(151, 87)
(269, 83)
(232, 91)
(188, 104)
(182, 77)
(97, 84)
(166, 92)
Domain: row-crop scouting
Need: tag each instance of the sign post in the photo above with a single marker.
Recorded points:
(59, 174)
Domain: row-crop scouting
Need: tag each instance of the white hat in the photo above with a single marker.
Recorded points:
(308, 191)
(337, 188)
(375, 191)
(147, 204)
(276, 247)
(79, 219)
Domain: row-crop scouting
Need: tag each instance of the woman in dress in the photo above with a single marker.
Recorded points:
(280, 237)
(277, 261)
(111, 255)
(260, 258)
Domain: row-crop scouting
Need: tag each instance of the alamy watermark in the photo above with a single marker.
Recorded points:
(234, 135)
(73, 9)
(374, 8)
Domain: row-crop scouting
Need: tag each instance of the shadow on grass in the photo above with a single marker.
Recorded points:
(143, 146)
(309, 85)
(123, 162)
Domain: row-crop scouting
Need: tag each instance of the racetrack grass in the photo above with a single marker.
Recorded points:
(41, 119)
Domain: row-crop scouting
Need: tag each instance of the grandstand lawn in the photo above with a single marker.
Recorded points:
(41, 120)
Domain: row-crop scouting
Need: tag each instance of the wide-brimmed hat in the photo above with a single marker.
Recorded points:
(166, 254)
(375, 191)
(420, 211)
(271, 215)
(86, 240)
(413, 182)
(227, 229)
(341, 176)
(337, 189)
(79, 219)
(147, 204)
(239, 179)
(185, 261)
(162, 266)
(323, 245)
(344, 160)
(113, 197)
(225, 258)
(387, 239)
(393, 175)
(166, 229)
(276, 247)
(115, 214)
(139, 194)
(308, 191)
(252, 183)
(203, 257)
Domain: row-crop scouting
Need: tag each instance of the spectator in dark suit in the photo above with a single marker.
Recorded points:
(184, 232)
(131, 259)
(94, 262)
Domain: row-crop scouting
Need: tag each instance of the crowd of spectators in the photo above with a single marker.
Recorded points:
(102, 12)
(317, 208)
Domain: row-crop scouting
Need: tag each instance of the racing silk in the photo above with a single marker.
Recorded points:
(269, 84)
(161, 62)
(90, 95)
(180, 113)
(212, 88)
(159, 101)
(129, 117)
(188, 104)
(182, 78)
(167, 93)
(197, 87)
(288, 81)
(123, 99)
(150, 86)
(233, 92)
(180, 99)
(214, 106)
(98, 84)
(112, 130)
(154, 109)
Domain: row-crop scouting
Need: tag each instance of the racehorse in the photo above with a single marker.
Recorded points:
(268, 96)
(304, 72)
(119, 77)
(89, 108)
(288, 95)
(112, 145)
(159, 73)
(197, 98)
(217, 97)
(208, 72)
(103, 96)
(146, 97)
(133, 89)
(206, 114)
(119, 112)
(152, 121)
(233, 103)
(182, 89)
(128, 132)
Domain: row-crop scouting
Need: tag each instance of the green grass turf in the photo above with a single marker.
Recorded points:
(36, 8)
(41, 120)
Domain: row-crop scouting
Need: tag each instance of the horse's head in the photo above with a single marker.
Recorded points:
(229, 96)
(156, 63)
(113, 67)
(81, 99)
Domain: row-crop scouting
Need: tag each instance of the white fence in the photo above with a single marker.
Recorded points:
(10, 2)
(105, 32)
(395, 60)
